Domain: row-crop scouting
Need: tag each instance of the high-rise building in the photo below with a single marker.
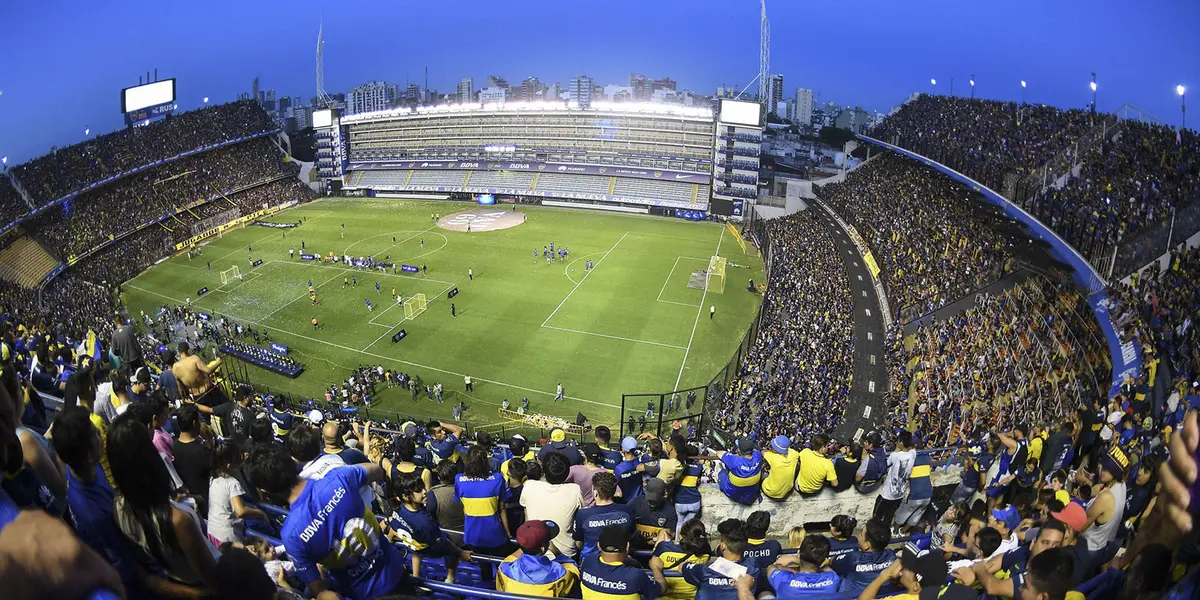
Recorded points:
(640, 87)
(412, 94)
(727, 92)
(531, 90)
(492, 95)
(497, 82)
(774, 93)
(666, 83)
(581, 91)
(618, 93)
(804, 106)
(285, 103)
(371, 96)
(854, 119)
(466, 90)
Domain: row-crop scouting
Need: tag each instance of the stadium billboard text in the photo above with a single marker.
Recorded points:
(148, 95)
(149, 112)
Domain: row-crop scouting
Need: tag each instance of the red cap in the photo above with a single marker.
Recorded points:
(535, 534)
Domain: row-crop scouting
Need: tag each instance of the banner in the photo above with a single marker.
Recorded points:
(452, 293)
(308, 257)
(399, 336)
(230, 225)
(202, 291)
(275, 225)
(409, 269)
(278, 348)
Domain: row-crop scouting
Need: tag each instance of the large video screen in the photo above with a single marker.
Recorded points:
(151, 94)
(322, 118)
(740, 113)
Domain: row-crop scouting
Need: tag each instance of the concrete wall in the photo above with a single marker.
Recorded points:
(797, 510)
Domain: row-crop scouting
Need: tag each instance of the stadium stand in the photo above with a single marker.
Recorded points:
(67, 170)
(452, 179)
(583, 184)
(25, 263)
(501, 179)
(12, 205)
(650, 188)
(374, 178)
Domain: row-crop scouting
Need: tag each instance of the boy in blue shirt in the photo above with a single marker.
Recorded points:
(711, 585)
(328, 524)
(413, 525)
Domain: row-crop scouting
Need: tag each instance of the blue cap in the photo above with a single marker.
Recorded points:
(1009, 516)
(629, 444)
(781, 444)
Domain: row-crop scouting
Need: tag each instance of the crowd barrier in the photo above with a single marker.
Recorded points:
(1126, 357)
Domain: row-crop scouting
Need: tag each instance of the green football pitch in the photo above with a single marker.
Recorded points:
(631, 324)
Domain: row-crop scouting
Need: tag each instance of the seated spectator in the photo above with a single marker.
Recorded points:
(558, 443)
(611, 569)
(708, 581)
(841, 535)
(653, 513)
(739, 480)
(227, 507)
(581, 474)
(917, 572)
(781, 461)
(804, 573)
(815, 468)
(846, 466)
(414, 526)
(693, 549)
(530, 571)
(554, 500)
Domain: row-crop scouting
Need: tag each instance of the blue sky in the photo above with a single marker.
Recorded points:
(67, 60)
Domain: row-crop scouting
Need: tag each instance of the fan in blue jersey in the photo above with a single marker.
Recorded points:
(413, 525)
(328, 524)
(609, 574)
(859, 568)
(712, 584)
(801, 574)
(590, 521)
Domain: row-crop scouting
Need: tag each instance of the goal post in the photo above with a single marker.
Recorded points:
(715, 281)
(414, 306)
(230, 274)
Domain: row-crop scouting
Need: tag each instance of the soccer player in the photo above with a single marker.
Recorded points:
(369, 307)
(313, 297)
(292, 253)
(422, 244)
(376, 287)
(453, 310)
(393, 240)
(302, 245)
(393, 292)
(558, 394)
(470, 274)
(353, 281)
(345, 282)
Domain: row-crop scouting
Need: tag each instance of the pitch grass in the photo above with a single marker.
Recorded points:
(631, 325)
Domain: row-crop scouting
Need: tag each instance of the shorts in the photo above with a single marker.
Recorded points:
(911, 512)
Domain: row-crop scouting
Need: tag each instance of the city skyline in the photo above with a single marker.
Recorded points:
(62, 89)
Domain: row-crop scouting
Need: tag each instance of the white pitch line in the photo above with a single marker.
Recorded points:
(615, 337)
(573, 262)
(381, 274)
(372, 354)
(435, 298)
(668, 281)
(697, 321)
(583, 279)
(680, 303)
(305, 294)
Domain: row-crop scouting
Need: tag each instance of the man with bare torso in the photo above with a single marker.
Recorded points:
(195, 377)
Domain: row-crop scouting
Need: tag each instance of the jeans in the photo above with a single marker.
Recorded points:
(685, 513)
(962, 493)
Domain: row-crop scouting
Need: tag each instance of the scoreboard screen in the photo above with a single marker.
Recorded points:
(322, 118)
(740, 113)
(145, 96)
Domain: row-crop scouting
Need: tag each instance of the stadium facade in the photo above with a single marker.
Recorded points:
(643, 158)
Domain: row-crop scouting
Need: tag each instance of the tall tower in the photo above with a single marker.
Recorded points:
(764, 53)
(322, 98)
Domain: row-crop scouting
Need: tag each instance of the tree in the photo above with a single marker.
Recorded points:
(835, 137)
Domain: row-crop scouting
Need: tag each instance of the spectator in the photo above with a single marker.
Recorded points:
(653, 513)
(558, 443)
(804, 573)
(841, 535)
(860, 567)
(899, 463)
(414, 526)
(447, 506)
(693, 549)
(629, 478)
(611, 568)
(310, 541)
(846, 466)
(193, 459)
(479, 489)
(581, 474)
(781, 464)
(815, 467)
(710, 582)
(531, 572)
(235, 416)
(227, 509)
(554, 500)
(916, 573)
(739, 480)
(687, 491)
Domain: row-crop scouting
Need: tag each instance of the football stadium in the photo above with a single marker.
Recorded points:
(608, 342)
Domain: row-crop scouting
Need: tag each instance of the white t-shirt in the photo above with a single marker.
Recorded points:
(223, 523)
(557, 503)
(900, 466)
(1114, 419)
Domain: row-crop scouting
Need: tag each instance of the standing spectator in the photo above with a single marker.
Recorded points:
(739, 480)
(227, 509)
(609, 458)
(446, 506)
(971, 479)
(589, 521)
(193, 459)
(629, 478)
(895, 488)
(554, 500)
(781, 461)
(485, 528)
(1106, 512)
(815, 467)
(166, 379)
(125, 345)
(920, 493)
(687, 493)
(166, 535)
(235, 416)
(581, 474)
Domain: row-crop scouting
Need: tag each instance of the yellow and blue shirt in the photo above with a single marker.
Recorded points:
(482, 527)
(674, 558)
(919, 485)
(537, 576)
(711, 585)
(740, 477)
(688, 490)
(620, 581)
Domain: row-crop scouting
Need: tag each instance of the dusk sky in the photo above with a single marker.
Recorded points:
(65, 62)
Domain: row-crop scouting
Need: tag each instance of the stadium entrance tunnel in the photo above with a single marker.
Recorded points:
(482, 219)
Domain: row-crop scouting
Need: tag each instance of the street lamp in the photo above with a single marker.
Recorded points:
(1182, 91)
(1093, 92)
(972, 86)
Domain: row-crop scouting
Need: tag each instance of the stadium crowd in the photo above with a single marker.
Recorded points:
(929, 247)
(12, 205)
(796, 378)
(984, 138)
(70, 169)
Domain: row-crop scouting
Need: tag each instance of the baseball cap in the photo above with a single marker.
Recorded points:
(781, 444)
(1063, 496)
(591, 450)
(629, 444)
(1073, 516)
(656, 490)
(1115, 462)
(745, 444)
(315, 417)
(614, 538)
(557, 434)
(1009, 516)
(535, 534)
(142, 375)
(975, 450)
(929, 567)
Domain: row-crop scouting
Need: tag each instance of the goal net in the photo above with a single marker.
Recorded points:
(414, 306)
(230, 274)
(715, 282)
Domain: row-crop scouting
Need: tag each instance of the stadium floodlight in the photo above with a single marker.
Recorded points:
(1093, 85)
(1179, 89)
(1022, 83)
(3, 160)
(932, 82)
(87, 131)
(206, 99)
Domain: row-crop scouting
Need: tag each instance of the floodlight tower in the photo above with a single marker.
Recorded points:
(764, 53)
(323, 98)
